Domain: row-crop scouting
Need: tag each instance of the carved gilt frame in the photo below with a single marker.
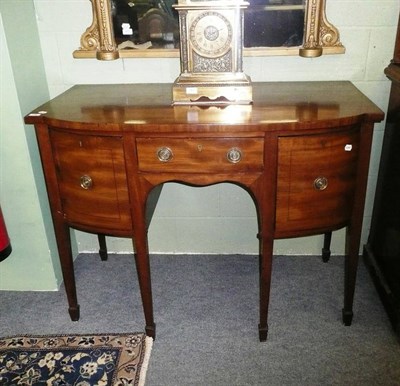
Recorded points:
(320, 37)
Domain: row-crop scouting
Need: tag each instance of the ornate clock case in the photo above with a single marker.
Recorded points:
(211, 50)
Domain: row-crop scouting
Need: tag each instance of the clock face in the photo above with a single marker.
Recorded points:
(211, 34)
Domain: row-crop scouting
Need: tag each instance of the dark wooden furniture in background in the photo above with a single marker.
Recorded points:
(382, 252)
(301, 150)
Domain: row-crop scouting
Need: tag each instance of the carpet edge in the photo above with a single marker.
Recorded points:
(145, 365)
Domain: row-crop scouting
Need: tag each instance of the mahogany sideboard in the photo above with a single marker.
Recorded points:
(301, 150)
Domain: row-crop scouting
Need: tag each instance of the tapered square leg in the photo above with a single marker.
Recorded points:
(151, 331)
(326, 250)
(74, 313)
(102, 247)
(347, 317)
(263, 333)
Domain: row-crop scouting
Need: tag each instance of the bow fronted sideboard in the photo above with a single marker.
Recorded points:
(301, 150)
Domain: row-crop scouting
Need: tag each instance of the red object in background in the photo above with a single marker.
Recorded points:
(5, 246)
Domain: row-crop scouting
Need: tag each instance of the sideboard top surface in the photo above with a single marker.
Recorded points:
(147, 107)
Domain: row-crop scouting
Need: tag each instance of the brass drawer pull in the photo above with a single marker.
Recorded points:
(234, 155)
(165, 154)
(320, 183)
(86, 182)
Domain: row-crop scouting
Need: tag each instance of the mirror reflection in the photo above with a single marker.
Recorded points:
(154, 23)
(274, 23)
(145, 23)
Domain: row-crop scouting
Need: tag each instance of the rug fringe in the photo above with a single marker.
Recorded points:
(146, 359)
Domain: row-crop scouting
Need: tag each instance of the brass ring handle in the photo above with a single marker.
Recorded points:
(234, 155)
(320, 183)
(165, 154)
(86, 182)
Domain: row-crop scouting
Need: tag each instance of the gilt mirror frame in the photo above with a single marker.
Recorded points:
(319, 37)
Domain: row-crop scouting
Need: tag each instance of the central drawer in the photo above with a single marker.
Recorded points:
(200, 155)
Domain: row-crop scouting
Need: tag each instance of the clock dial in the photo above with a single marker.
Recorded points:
(211, 34)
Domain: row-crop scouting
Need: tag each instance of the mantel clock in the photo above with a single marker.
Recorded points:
(211, 52)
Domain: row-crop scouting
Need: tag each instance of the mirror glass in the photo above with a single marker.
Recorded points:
(154, 23)
(145, 23)
(274, 23)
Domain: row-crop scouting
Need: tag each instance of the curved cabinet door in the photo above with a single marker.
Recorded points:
(92, 181)
(316, 182)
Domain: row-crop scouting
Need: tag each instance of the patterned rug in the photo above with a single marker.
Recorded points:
(75, 360)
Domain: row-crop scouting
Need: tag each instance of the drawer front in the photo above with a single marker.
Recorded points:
(316, 181)
(200, 155)
(92, 180)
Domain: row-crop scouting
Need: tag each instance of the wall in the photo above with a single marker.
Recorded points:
(221, 218)
(33, 264)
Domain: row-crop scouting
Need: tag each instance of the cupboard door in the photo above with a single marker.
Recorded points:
(316, 182)
(92, 180)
